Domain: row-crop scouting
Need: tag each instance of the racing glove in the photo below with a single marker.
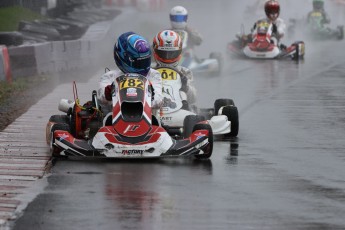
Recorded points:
(184, 81)
(151, 89)
(108, 92)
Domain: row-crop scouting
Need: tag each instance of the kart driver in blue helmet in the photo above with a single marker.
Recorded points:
(132, 54)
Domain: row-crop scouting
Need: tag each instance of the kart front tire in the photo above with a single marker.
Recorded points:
(189, 122)
(232, 113)
(209, 148)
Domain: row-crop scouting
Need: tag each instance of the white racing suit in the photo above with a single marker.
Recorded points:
(187, 86)
(107, 79)
(186, 80)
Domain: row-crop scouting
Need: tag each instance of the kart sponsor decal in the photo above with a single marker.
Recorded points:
(166, 118)
(131, 83)
(131, 92)
(62, 136)
(168, 74)
(131, 128)
(132, 152)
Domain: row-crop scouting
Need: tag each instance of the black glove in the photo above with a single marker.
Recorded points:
(185, 105)
(151, 89)
(184, 81)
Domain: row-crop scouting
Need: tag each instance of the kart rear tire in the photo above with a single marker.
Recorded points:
(232, 113)
(219, 57)
(59, 119)
(189, 122)
(209, 149)
(55, 152)
(222, 102)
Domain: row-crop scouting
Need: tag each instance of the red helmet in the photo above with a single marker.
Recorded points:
(272, 9)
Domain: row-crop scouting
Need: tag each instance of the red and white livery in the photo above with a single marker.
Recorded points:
(127, 132)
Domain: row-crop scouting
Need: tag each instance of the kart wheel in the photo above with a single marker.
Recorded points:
(300, 49)
(59, 119)
(189, 123)
(60, 126)
(209, 148)
(232, 113)
(219, 57)
(222, 102)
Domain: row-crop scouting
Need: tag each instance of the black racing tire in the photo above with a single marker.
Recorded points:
(60, 119)
(298, 56)
(222, 102)
(209, 149)
(189, 123)
(219, 57)
(55, 152)
(232, 113)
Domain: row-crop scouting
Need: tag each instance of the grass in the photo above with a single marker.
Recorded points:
(16, 87)
(10, 17)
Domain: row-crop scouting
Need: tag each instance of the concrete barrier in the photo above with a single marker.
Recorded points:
(44, 62)
(23, 61)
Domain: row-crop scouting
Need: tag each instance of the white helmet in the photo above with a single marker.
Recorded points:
(178, 17)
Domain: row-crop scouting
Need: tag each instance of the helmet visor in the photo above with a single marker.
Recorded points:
(141, 62)
(178, 18)
(168, 55)
(273, 10)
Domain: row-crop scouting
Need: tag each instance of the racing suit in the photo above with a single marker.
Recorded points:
(194, 37)
(107, 79)
(325, 17)
(186, 80)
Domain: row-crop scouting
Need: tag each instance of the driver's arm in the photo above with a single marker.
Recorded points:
(156, 80)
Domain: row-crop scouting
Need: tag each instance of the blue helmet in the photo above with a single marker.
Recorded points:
(132, 54)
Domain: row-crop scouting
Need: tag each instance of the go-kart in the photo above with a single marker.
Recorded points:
(211, 65)
(85, 132)
(315, 29)
(261, 45)
(178, 117)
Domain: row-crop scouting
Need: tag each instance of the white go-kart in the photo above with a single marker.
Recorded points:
(179, 119)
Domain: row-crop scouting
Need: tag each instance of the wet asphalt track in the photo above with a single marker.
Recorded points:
(284, 171)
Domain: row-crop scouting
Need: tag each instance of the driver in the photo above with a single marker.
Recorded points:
(272, 10)
(132, 54)
(167, 51)
(178, 21)
(318, 7)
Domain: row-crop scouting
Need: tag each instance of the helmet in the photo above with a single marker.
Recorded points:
(178, 17)
(272, 9)
(132, 54)
(318, 4)
(167, 48)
